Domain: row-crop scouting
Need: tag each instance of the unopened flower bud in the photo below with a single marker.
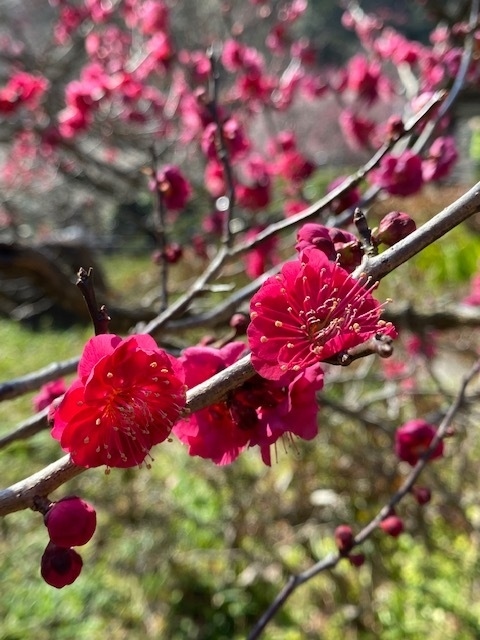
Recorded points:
(173, 252)
(422, 494)
(71, 522)
(347, 248)
(356, 559)
(395, 226)
(48, 392)
(315, 235)
(392, 525)
(60, 566)
(344, 538)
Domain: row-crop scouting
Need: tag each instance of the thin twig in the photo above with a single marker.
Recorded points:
(160, 230)
(99, 315)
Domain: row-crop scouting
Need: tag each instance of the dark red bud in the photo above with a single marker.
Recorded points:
(71, 522)
(356, 559)
(173, 252)
(392, 525)
(59, 566)
(395, 226)
(422, 495)
(344, 538)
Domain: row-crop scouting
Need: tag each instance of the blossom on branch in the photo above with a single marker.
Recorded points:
(309, 312)
(440, 160)
(173, 187)
(399, 175)
(414, 438)
(47, 393)
(259, 412)
(127, 397)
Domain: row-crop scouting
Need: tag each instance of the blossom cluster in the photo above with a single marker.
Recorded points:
(135, 79)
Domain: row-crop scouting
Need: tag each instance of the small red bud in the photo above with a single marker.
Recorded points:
(422, 495)
(173, 252)
(356, 559)
(393, 525)
(60, 566)
(71, 522)
(395, 226)
(344, 538)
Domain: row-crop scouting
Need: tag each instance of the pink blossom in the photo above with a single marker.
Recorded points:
(72, 121)
(48, 392)
(278, 39)
(308, 313)
(396, 48)
(234, 139)
(313, 87)
(399, 175)
(214, 179)
(365, 79)
(99, 10)
(173, 186)
(198, 62)
(233, 55)
(261, 256)
(257, 413)
(422, 345)
(69, 20)
(304, 50)
(152, 16)
(194, 113)
(253, 197)
(293, 10)
(283, 142)
(414, 438)
(125, 400)
(473, 299)
(293, 166)
(257, 193)
(358, 131)
(315, 236)
(442, 155)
